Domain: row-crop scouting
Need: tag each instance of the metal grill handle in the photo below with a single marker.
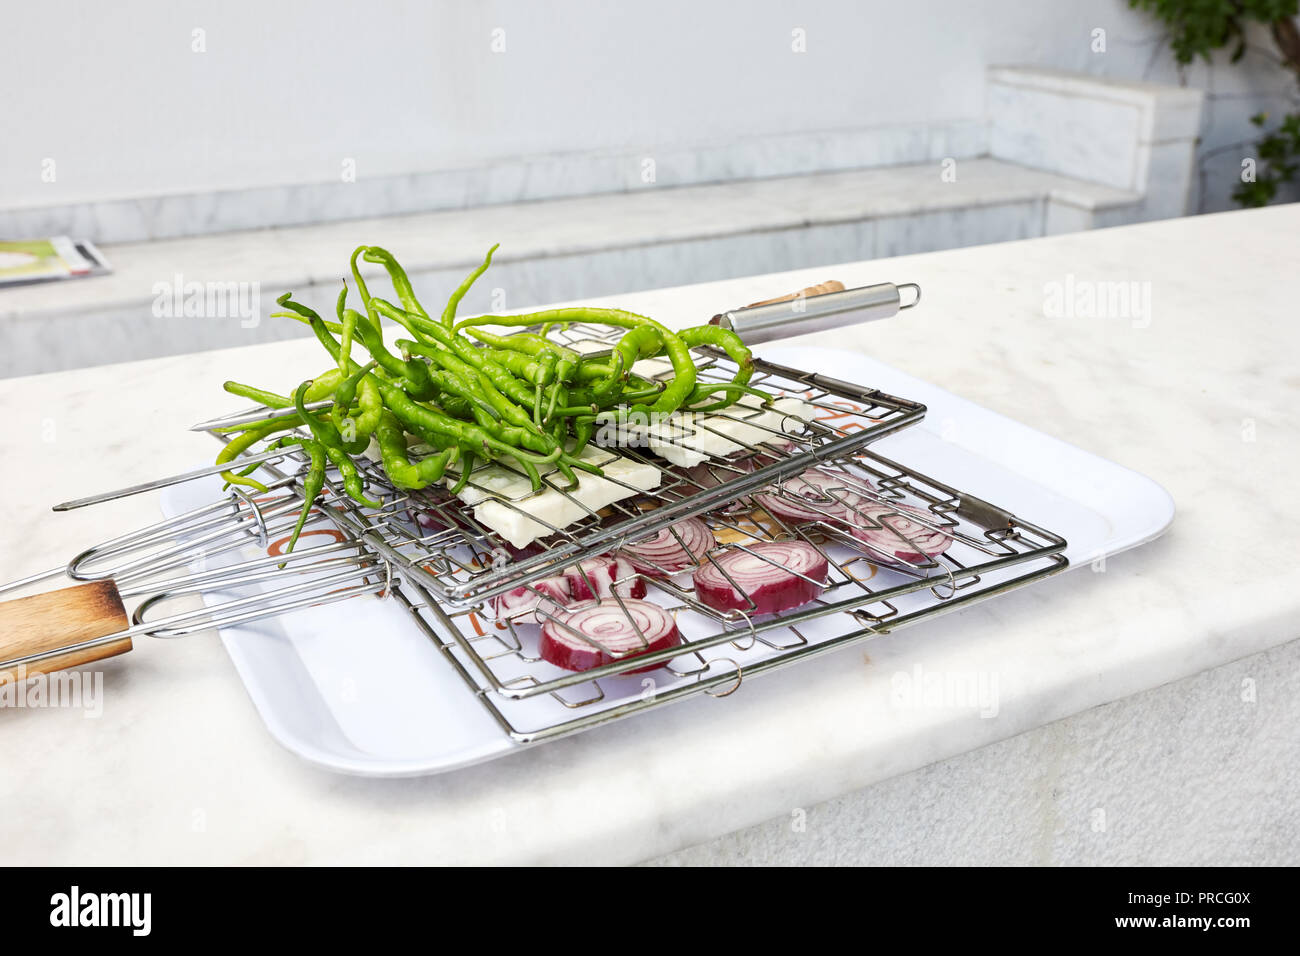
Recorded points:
(816, 310)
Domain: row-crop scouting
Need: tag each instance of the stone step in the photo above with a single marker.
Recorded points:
(551, 251)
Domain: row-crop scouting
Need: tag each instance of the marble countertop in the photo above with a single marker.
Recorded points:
(1203, 397)
(296, 256)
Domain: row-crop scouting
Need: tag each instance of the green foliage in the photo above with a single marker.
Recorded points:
(1279, 158)
(1199, 27)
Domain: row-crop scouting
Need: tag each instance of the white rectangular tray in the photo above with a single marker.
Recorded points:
(357, 687)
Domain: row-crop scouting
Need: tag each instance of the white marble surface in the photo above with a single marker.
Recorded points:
(1204, 771)
(1129, 135)
(522, 179)
(561, 249)
(1169, 111)
(1203, 398)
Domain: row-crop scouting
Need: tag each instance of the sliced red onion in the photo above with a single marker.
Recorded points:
(608, 631)
(708, 474)
(773, 575)
(892, 530)
(827, 478)
(672, 549)
(772, 451)
(816, 495)
(603, 577)
(531, 603)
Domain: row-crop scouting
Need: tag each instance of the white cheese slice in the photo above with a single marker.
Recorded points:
(649, 368)
(503, 499)
(690, 439)
(588, 346)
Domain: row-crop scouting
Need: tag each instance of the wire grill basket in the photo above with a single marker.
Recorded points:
(866, 595)
(459, 559)
(447, 567)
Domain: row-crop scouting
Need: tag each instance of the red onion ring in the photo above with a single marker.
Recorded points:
(772, 451)
(891, 530)
(771, 574)
(828, 493)
(672, 549)
(530, 603)
(705, 475)
(608, 631)
(603, 577)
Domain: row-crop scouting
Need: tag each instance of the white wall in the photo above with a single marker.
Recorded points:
(286, 91)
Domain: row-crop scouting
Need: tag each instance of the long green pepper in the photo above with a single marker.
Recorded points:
(520, 396)
(675, 392)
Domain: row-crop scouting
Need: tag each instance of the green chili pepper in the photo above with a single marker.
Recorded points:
(466, 469)
(449, 313)
(260, 395)
(675, 392)
(496, 384)
(412, 374)
(481, 385)
(397, 275)
(392, 447)
(506, 383)
(564, 360)
(369, 401)
(518, 397)
(583, 429)
(362, 290)
(730, 388)
(529, 343)
(736, 350)
(330, 440)
(237, 446)
(523, 366)
(425, 422)
(312, 482)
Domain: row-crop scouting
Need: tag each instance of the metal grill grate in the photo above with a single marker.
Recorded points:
(433, 554)
(992, 551)
(460, 560)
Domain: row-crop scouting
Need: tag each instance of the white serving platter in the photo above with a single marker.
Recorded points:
(357, 687)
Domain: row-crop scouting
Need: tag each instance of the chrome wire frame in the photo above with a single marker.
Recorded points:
(169, 560)
(447, 579)
(462, 562)
(992, 551)
(447, 575)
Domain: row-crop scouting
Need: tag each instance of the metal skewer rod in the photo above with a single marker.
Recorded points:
(257, 414)
(172, 480)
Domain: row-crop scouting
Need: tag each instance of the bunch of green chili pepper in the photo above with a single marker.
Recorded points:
(468, 394)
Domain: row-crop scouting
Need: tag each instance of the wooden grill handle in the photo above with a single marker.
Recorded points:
(62, 618)
(830, 285)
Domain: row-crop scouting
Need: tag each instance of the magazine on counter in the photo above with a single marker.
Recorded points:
(47, 260)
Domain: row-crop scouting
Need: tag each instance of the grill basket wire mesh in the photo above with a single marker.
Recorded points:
(206, 551)
(865, 595)
(461, 561)
(867, 592)
(431, 553)
(449, 566)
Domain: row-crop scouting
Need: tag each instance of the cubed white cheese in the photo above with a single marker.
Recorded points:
(503, 499)
(690, 439)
